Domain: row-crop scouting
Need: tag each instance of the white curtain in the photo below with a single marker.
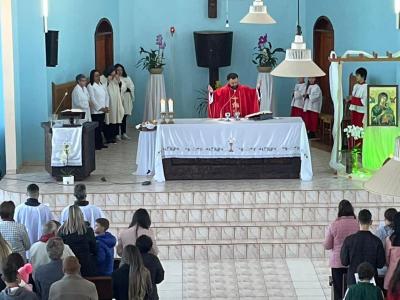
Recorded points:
(266, 88)
(335, 81)
(155, 91)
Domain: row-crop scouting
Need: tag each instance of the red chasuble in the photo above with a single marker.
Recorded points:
(244, 100)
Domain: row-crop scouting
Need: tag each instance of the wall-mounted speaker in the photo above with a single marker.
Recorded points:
(51, 48)
(212, 8)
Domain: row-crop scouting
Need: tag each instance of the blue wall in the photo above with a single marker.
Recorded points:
(373, 29)
(183, 77)
(2, 141)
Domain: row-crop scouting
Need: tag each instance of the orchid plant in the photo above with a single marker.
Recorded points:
(354, 135)
(264, 56)
(153, 59)
(65, 160)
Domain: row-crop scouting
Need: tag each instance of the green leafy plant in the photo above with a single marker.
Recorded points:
(66, 172)
(201, 105)
(153, 59)
(264, 56)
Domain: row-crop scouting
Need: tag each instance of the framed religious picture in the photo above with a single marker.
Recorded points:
(382, 108)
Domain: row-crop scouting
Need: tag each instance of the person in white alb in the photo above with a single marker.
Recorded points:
(100, 102)
(80, 96)
(298, 98)
(312, 106)
(358, 100)
(128, 97)
(33, 214)
(90, 212)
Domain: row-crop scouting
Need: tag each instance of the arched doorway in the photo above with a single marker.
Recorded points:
(104, 45)
(324, 43)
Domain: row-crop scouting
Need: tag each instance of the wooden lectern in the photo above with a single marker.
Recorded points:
(88, 153)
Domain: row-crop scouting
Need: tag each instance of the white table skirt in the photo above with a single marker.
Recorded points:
(154, 93)
(145, 153)
(267, 92)
(211, 138)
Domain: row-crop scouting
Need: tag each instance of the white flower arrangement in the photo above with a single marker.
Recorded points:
(147, 125)
(355, 132)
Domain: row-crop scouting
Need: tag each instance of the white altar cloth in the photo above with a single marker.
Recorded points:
(212, 138)
(145, 153)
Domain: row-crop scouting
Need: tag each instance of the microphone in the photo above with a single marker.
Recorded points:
(62, 101)
(223, 106)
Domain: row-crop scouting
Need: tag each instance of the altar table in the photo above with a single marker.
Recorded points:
(215, 149)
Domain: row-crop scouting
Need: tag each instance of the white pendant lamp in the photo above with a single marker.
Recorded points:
(387, 180)
(258, 14)
(298, 61)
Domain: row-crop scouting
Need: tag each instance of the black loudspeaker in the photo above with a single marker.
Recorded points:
(212, 8)
(213, 50)
(51, 48)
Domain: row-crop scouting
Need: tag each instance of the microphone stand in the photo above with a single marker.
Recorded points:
(58, 107)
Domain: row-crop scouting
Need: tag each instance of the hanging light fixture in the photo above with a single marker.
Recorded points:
(45, 12)
(298, 61)
(258, 14)
(386, 180)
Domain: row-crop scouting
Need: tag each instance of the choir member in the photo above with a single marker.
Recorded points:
(80, 96)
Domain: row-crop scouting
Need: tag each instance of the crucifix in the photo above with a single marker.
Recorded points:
(212, 8)
(235, 104)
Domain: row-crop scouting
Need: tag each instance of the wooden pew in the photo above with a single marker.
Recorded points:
(103, 286)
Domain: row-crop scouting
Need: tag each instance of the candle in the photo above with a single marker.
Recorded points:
(170, 105)
(163, 106)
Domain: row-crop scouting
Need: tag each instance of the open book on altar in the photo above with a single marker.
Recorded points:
(261, 115)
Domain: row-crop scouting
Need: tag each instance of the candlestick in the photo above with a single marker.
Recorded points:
(163, 108)
(170, 105)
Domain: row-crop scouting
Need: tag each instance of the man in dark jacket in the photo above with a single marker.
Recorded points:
(105, 247)
(362, 246)
(151, 262)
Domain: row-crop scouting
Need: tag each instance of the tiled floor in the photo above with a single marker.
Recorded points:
(117, 163)
(273, 279)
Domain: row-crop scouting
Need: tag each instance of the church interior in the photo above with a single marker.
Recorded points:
(244, 125)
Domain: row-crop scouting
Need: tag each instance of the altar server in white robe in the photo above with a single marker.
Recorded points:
(298, 98)
(312, 106)
(358, 99)
(33, 214)
(90, 212)
(100, 102)
(116, 113)
(128, 97)
(81, 97)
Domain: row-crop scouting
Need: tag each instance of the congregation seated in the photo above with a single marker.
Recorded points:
(152, 263)
(132, 280)
(47, 274)
(90, 212)
(12, 278)
(140, 225)
(364, 289)
(38, 252)
(80, 237)
(105, 247)
(14, 233)
(362, 246)
(32, 213)
(344, 225)
(72, 286)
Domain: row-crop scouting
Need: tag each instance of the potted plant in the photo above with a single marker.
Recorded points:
(153, 60)
(68, 177)
(201, 105)
(264, 56)
(354, 136)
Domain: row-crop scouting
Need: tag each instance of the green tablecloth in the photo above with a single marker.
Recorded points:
(378, 145)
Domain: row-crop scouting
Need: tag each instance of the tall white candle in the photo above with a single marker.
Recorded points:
(170, 105)
(163, 108)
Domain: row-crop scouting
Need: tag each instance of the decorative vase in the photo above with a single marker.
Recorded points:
(264, 69)
(156, 70)
(68, 180)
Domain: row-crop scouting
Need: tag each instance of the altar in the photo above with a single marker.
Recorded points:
(245, 149)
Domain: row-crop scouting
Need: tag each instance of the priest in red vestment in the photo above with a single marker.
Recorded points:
(232, 98)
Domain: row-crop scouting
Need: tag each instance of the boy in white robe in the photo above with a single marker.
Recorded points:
(33, 214)
(298, 98)
(90, 212)
(81, 97)
(358, 100)
(312, 106)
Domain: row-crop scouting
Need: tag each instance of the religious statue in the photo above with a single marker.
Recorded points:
(233, 98)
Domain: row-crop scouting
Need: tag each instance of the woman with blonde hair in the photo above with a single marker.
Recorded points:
(80, 238)
(132, 280)
(5, 250)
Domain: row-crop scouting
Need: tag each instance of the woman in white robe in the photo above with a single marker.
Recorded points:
(81, 97)
(116, 109)
(128, 96)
